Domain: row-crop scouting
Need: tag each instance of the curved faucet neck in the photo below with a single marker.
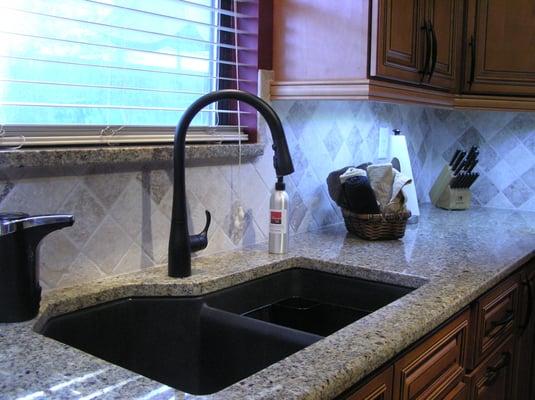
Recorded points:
(179, 255)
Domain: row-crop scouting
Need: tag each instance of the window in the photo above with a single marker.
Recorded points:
(112, 71)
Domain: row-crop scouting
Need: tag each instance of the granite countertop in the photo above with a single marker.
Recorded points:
(450, 257)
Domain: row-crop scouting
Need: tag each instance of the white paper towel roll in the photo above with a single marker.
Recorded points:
(398, 148)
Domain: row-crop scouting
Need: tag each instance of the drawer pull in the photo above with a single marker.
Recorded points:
(529, 310)
(494, 372)
(502, 323)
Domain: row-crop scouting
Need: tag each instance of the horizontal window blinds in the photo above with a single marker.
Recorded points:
(120, 71)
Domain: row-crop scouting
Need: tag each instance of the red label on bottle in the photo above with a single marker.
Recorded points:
(276, 217)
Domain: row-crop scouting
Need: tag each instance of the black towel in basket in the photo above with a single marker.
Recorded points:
(359, 196)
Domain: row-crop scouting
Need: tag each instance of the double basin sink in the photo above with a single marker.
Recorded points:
(203, 344)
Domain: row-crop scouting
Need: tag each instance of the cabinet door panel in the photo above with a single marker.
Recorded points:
(379, 388)
(445, 17)
(435, 368)
(525, 344)
(399, 40)
(492, 379)
(500, 47)
(496, 315)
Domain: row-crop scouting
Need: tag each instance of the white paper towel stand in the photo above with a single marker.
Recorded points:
(398, 148)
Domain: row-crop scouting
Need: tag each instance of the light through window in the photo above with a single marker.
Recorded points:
(110, 63)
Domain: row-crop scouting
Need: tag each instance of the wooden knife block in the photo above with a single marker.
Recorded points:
(443, 196)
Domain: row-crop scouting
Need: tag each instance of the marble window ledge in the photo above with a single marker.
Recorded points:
(67, 156)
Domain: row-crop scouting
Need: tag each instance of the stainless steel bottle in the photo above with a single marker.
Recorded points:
(278, 219)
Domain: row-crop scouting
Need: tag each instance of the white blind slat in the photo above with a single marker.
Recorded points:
(213, 25)
(94, 71)
(211, 77)
(107, 46)
(128, 29)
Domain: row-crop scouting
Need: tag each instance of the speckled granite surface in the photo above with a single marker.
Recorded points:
(124, 154)
(451, 257)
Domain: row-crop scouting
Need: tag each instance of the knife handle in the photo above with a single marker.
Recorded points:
(454, 158)
(472, 165)
(458, 161)
(459, 167)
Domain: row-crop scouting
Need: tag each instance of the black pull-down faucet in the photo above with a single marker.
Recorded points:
(181, 244)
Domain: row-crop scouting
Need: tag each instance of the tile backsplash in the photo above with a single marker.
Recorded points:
(122, 211)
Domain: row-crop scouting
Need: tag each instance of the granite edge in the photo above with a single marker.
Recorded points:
(93, 155)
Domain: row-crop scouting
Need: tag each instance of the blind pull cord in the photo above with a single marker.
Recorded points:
(239, 220)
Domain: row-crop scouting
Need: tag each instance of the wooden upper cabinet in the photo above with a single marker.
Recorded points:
(397, 40)
(444, 19)
(447, 53)
(417, 41)
(500, 47)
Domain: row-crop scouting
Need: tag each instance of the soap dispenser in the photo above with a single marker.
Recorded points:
(278, 219)
(20, 235)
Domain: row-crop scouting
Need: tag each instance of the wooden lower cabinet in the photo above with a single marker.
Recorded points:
(524, 376)
(435, 368)
(379, 388)
(492, 379)
(485, 352)
(495, 315)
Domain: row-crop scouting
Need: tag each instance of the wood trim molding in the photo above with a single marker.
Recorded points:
(494, 103)
(362, 89)
(324, 90)
(371, 89)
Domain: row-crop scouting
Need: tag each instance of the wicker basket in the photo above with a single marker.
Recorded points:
(376, 226)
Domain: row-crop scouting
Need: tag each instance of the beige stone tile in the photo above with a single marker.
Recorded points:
(108, 245)
(135, 259)
(82, 270)
(88, 214)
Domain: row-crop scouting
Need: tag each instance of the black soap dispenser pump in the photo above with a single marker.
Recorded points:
(20, 235)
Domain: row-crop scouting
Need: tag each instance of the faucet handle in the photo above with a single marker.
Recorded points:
(200, 241)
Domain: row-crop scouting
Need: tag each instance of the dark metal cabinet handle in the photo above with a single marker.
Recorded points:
(434, 51)
(529, 311)
(502, 323)
(424, 71)
(472, 45)
(494, 372)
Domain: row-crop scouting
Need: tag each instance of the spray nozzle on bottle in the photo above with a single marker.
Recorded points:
(280, 185)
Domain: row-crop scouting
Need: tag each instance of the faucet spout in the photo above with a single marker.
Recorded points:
(181, 244)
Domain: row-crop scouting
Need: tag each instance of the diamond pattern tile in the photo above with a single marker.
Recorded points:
(106, 184)
(529, 142)
(518, 193)
(333, 141)
(529, 177)
(88, 214)
(520, 159)
(123, 212)
(108, 245)
(484, 190)
(5, 186)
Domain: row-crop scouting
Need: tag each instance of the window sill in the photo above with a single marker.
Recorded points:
(55, 157)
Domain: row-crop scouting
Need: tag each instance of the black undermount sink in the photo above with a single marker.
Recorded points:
(203, 344)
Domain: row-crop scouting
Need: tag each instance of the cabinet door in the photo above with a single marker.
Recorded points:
(500, 47)
(496, 314)
(444, 18)
(492, 379)
(435, 368)
(525, 344)
(398, 38)
(379, 388)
